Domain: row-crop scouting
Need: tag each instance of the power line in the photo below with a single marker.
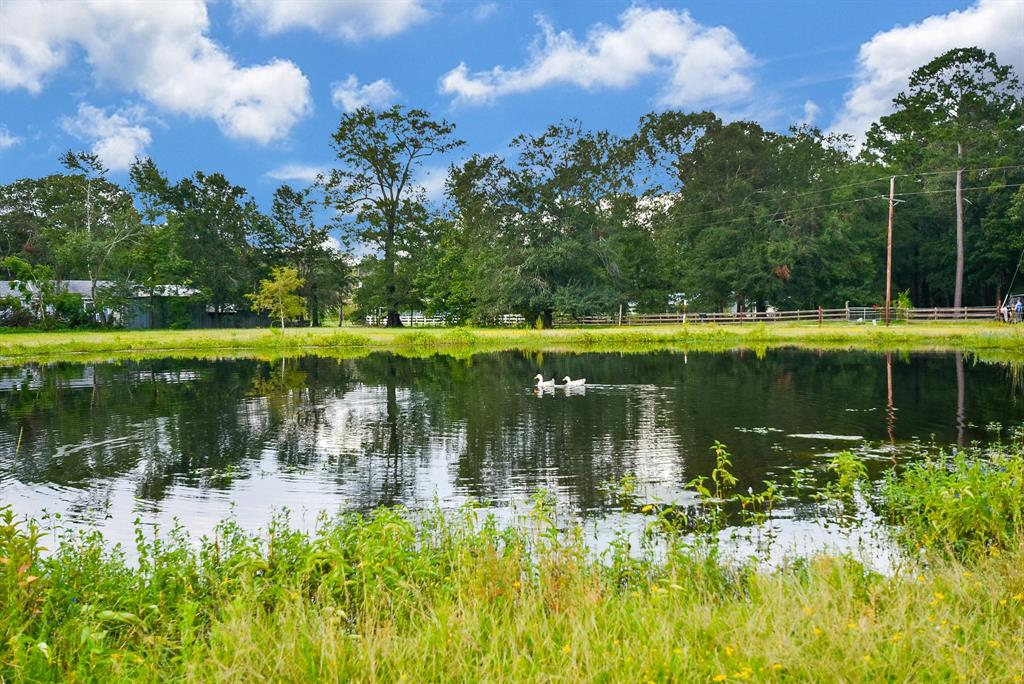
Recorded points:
(844, 202)
(852, 185)
(976, 187)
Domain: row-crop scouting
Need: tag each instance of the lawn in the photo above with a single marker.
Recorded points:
(969, 336)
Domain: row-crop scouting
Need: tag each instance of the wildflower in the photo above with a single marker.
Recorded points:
(896, 637)
(678, 651)
(920, 578)
(647, 509)
(807, 610)
(817, 632)
(967, 573)
(719, 678)
(776, 666)
(516, 584)
(1018, 597)
(566, 649)
(939, 596)
(1002, 602)
(867, 658)
(993, 643)
(729, 650)
(851, 625)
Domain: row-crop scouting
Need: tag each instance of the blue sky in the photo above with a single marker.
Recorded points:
(254, 88)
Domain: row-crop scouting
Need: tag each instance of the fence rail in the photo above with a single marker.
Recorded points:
(858, 314)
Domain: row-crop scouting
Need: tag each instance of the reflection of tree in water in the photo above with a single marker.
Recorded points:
(385, 429)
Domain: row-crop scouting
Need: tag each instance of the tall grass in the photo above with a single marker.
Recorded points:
(396, 596)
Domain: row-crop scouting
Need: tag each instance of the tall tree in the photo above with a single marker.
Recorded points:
(306, 245)
(380, 154)
(955, 113)
(98, 221)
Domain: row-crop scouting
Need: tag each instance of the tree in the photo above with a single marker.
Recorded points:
(306, 246)
(277, 295)
(955, 113)
(380, 154)
(215, 224)
(103, 222)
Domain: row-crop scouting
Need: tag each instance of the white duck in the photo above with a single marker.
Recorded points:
(541, 382)
(569, 382)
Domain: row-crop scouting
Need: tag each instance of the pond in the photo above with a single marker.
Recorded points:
(199, 440)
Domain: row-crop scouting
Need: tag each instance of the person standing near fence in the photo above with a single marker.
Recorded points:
(1018, 309)
(1004, 313)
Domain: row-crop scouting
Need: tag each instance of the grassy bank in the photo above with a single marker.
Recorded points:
(968, 336)
(391, 597)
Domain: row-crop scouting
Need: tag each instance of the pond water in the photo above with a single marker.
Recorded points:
(199, 440)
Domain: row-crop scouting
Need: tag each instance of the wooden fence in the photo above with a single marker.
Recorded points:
(852, 314)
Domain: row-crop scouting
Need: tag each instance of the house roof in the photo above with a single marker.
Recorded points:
(8, 288)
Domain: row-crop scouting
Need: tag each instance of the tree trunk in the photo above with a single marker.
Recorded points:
(394, 319)
(958, 292)
(547, 319)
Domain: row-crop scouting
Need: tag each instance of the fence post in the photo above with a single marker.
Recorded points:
(935, 314)
(847, 311)
(820, 315)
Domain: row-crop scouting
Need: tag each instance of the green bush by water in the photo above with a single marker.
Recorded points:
(394, 596)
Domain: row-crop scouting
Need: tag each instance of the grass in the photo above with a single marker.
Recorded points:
(968, 336)
(439, 597)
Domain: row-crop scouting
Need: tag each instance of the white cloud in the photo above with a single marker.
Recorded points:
(432, 182)
(306, 173)
(811, 111)
(7, 139)
(350, 19)
(885, 62)
(160, 51)
(349, 95)
(699, 63)
(117, 138)
(485, 10)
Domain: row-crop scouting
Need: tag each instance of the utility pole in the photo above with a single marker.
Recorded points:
(888, 251)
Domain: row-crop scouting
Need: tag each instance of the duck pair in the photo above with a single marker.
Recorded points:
(569, 382)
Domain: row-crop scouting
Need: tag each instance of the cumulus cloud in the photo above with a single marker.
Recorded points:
(350, 95)
(7, 139)
(699, 63)
(306, 173)
(162, 53)
(349, 19)
(117, 138)
(885, 62)
(811, 111)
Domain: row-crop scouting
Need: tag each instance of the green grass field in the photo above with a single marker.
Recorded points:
(392, 597)
(970, 336)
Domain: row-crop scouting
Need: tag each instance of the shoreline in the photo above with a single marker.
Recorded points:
(27, 347)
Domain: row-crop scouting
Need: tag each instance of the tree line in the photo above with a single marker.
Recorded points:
(688, 210)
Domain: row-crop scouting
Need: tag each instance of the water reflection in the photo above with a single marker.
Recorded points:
(193, 438)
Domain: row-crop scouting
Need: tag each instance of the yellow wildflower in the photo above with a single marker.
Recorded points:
(729, 650)
(566, 649)
(719, 678)
(647, 509)
(897, 636)
(678, 651)
(852, 625)
(993, 643)
(807, 610)
(1018, 597)
(817, 632)
(867, 658)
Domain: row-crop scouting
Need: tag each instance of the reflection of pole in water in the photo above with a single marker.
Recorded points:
(960, 394)
(890, 406)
